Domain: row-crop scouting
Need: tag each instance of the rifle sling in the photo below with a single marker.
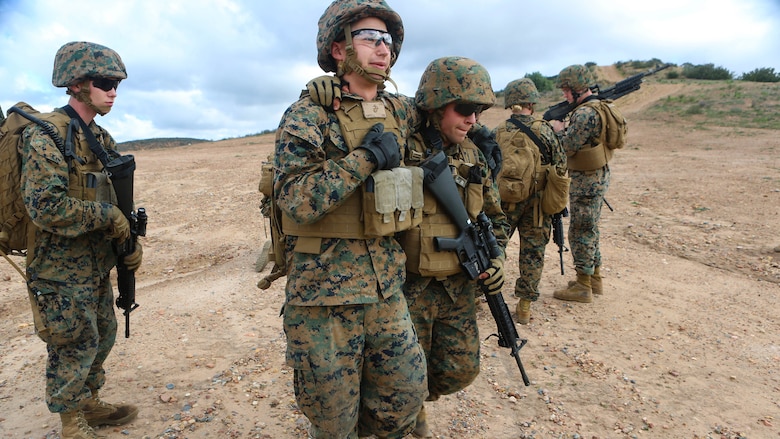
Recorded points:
(94, 145)
(546, 154)
(433, 137)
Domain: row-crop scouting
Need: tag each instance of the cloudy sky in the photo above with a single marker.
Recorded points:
(213, 69)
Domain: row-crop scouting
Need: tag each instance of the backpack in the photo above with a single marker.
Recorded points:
(614, 127)
(14, 219)
(522, 163)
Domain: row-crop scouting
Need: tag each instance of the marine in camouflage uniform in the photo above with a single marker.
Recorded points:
(588, 187)
(525, 217)
(359, 369)
(441, 296)
(71, 250)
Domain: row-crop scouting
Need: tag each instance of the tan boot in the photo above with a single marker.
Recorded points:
(580, 291)
(98, 412)
(595, 282)
(421, 429)
(523, 311)
(74, 426)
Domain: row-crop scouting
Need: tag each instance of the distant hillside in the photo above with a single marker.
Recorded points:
(168, 142)
(665, 95)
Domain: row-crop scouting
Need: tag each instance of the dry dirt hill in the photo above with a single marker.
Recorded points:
(683, 344)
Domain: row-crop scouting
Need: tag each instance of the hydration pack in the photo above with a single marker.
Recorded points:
(14, 220)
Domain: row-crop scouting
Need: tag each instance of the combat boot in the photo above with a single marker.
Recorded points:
(580, 291)
(595, 282)
(74, 426)
(421, 429)
(523, 311)
(98, 412)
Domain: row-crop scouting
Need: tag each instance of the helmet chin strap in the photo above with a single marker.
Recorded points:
(83, 96)
(351, 64)
(575, 95)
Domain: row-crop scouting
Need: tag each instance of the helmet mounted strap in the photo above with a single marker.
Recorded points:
(351, 64)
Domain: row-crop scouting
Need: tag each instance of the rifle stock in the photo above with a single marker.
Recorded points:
(618, 90)
(475, 246)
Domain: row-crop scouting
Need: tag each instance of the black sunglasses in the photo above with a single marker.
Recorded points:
(106, 84)
(465, 109)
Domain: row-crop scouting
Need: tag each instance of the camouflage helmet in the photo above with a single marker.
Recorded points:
(343, 12)
(454, 79)
(575, 77)
(520, 91)
(78, 60)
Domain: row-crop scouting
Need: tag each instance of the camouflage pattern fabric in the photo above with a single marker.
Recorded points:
(520, 91)
(81, 330)
(68, 269)
(454, 79)
(533, 239)
(587, 191)
(71, 244)
(80, 59)
(445, 311)
(576, 77)
(352, 287)
(357, 368)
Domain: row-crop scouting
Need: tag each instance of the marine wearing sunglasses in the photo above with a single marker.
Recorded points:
(106, 84)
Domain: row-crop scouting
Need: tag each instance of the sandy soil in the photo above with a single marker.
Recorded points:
(683, 344)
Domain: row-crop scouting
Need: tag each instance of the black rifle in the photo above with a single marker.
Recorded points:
(557, 225)
(620, 89)
(121, 171)
(475, 247)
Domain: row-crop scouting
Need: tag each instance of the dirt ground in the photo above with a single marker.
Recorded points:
(683, 343)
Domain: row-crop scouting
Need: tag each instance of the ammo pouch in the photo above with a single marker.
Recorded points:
(590, 159)
(392, 201)
(422, 257)
(388, 202)
(555, 195)
(91, 185)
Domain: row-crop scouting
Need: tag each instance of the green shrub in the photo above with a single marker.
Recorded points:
(541, 82)
(764, 74)
(706, 71)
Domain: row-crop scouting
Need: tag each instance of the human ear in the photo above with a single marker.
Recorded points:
(338, 50)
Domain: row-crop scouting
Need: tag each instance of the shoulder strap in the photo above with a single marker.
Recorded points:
(432, 136)
(94, 145)
(546, 155)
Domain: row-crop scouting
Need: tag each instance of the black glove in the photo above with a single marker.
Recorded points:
(487, 144)
(383, 147)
